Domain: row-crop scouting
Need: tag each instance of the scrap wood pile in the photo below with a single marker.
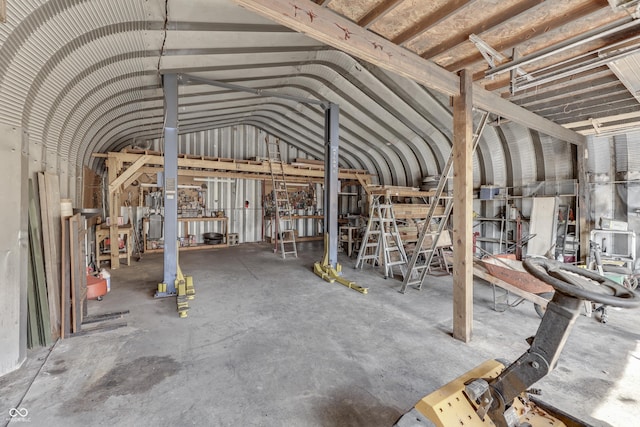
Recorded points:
(48, 318)
(57, 273)
(409, 234)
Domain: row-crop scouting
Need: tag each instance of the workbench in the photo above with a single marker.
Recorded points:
(224, 221)
(124, 232)
(350, 238)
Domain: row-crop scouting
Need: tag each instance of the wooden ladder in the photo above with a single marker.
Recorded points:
(284, 231)
(381, 241)
(420, 262)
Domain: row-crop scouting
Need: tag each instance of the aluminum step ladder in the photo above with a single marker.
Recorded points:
(381, 241)
(284, 232)
(422, 257)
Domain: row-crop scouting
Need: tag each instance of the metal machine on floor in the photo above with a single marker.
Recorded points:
(496, 393)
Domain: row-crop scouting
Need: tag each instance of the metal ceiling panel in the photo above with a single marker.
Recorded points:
(83, 76)
(628, 71)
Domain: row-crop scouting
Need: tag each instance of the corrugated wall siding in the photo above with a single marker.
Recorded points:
(614, 180)
(230, 194)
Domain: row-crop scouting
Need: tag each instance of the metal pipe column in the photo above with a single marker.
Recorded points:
(170, 83)
(331, 143)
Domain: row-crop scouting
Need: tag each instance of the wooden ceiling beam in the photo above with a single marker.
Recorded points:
(481, 27)
(330, 28)
(525, 35)
(428, 21)
(378, 12)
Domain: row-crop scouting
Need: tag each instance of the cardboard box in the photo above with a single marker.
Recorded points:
(612, 224)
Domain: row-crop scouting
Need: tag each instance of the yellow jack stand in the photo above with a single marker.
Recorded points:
(186, 292)
(331, 274)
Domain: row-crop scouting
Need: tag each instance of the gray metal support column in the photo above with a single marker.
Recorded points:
(170, 83)
(331, 143)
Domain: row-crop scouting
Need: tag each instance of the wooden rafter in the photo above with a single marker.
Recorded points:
(378, 12)
(328, 27)
(428, 21)
(481, 27)
(525, 34)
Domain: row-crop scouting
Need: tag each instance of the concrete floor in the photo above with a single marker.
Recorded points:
(267, 343)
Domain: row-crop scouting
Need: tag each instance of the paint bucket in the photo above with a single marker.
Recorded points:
(104, 274)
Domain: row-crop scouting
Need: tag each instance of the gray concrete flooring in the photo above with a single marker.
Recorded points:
(267, 343)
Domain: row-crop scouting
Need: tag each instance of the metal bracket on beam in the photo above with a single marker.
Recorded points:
(491, 55)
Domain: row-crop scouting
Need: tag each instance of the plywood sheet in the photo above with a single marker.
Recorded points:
(543, 224)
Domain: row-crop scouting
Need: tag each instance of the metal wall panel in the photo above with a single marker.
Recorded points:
(523, 157)
(229, 194)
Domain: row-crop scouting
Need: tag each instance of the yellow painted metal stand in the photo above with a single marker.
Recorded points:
(330, 274)
(450, 405)
(185, 291)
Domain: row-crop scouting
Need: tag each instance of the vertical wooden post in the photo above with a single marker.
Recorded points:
(583, 201)
(463, 210)
(114, 212)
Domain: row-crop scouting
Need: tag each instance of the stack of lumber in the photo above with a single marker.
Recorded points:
(49, 197)
(397, 191)
(414, 210)
(56, 297)
(409, 235)
(40, 331)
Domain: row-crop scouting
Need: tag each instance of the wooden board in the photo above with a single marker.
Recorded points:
(77, 234)
(65, 280)
(49, 195)
(542, 226)
(32, 319)
(73, 286)
(37, 266)
(414, 211)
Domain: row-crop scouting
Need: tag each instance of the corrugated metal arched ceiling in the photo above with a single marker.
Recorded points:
(84, 76)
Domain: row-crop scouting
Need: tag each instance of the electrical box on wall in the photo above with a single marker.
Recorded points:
(488, 192)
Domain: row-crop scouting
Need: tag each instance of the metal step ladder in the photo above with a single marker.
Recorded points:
(422, 257)
(284, 232)
(381, 240)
